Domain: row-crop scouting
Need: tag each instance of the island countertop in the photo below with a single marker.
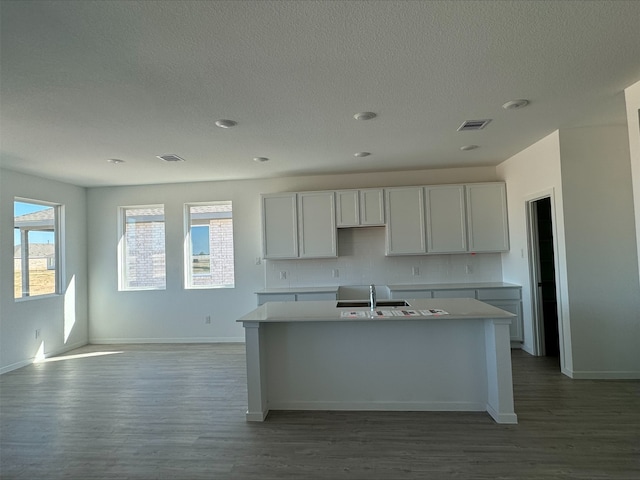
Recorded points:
(326, 311)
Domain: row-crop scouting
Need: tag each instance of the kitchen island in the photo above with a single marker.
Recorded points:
(433, 355)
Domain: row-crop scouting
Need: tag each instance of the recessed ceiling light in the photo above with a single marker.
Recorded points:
(115, 161)
(466, 148)
(515, 104)
(365, 115)
(361, 154)
(170, 157)
(260, 159)
(226, 123)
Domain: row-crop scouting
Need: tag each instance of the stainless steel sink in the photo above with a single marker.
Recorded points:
(365, 303)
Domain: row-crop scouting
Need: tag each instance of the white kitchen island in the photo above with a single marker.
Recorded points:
(315, 356)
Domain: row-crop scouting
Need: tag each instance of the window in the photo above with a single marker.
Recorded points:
(209, 245)
(36, 248)
(142, 251)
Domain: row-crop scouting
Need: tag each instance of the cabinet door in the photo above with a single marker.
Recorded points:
(487, 217)
(279, 226)
(372, 206)
(446, 221)
(347, 208)
(406, 294)
(515, 307)
(404, 209)
(317, 225)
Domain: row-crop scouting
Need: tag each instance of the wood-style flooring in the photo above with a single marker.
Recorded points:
(178, 412)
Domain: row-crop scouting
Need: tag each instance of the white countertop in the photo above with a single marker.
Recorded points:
(326, 311)
(451, 286)
(405, 287)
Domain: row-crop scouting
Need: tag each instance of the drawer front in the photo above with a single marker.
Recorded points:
(275, 297)
(306, 297)
(405, 294)
(499, 294)
(454, 294)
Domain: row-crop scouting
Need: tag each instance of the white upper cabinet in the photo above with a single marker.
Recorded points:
(355, 208)
(348, 208)
(446, 221)
(404, 208)
(487, 217)
(317, 225)
(280, 225)
(372, 206)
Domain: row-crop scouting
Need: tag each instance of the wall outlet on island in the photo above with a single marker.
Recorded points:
(207, 319)
(283, 275)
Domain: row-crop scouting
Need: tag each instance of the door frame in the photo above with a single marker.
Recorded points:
(534, 273)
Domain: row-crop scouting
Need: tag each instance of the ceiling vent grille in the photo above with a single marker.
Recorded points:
(473, 125)
(170, 158)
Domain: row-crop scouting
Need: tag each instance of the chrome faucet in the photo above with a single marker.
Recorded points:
(372, 296)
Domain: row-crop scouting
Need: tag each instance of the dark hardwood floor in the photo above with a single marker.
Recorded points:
(177, 412)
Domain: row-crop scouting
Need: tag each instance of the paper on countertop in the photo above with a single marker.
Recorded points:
(433, 311)
(392, 313)
(354, 314)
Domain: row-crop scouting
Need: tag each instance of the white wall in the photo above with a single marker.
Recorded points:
(49, 314)
(176, 314)
(601, 251)
(632, 99)
(531, 174)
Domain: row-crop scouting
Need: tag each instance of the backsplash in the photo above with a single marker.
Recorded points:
(361, 261)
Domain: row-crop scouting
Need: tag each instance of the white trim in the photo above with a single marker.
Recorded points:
(533, 284)
(29, 361)
(128, 341)
(381, 406)
(605, 375)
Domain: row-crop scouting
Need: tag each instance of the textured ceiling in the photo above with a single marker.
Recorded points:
(83, 82)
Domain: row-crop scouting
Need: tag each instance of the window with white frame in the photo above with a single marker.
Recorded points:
(36, 248)
(209, 259)
(142, 259)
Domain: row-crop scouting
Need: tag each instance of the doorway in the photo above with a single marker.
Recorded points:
(544, 291)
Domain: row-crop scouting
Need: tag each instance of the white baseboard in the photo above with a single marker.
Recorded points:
(131, 341)
(380, 406)
(52, 353)
(603, 375)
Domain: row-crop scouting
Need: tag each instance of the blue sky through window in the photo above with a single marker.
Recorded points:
(200, 239)
(21, 208)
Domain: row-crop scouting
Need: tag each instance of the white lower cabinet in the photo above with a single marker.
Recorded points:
(508, 298)
(296, 297)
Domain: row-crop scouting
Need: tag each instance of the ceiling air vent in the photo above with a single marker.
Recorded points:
(170, 158)
(474, 125)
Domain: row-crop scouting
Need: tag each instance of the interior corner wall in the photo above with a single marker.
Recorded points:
(51, 314)
(530, 174)
(601, 252)
(632, 100)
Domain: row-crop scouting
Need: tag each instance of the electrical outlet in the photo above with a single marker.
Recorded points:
(468, 269)
(283, 275)
(207, 319)
(37, 333)
(335, 273)
(415, 271)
